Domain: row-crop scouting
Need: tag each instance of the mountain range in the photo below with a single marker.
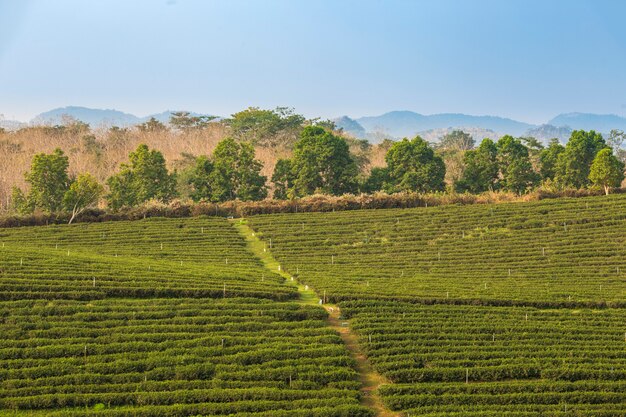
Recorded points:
(393, 125)
(399, 124)
(98, 117)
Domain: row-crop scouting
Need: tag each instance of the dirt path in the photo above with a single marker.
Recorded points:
(370, 379)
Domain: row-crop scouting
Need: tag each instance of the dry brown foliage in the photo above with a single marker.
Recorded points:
(101, 151)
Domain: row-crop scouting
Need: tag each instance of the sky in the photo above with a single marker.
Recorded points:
(528, 60)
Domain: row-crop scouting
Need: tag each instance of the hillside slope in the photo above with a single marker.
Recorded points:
(487, 310)
(160, 317)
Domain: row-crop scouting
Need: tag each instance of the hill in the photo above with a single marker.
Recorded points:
(602, 123)
(98, 117)
(546, 132)
(480, 310)
(484, 310)
(407, 123)
(351, 126)
(161, 317)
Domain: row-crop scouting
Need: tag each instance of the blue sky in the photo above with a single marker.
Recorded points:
(527, 60)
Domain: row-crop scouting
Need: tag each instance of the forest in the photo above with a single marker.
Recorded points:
(278, 154)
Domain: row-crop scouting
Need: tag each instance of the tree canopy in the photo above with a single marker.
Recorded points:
(278, 127)
(49, 180)
(516, 169)
(184, 121)
(413, 166)
(83, 193)
(231, 173)
(606, 170)
(549, 158)
(145, 177)
(574, 162)
(481, 169)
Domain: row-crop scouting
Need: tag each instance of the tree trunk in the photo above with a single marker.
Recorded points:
(606, 190)
(75, 212)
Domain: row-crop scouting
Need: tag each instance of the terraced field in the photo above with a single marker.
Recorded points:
(160, 318)
(512, 309)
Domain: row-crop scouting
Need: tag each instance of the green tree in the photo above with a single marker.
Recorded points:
(123, 190)
(283, 179)
(200, 179)
(83, 193)
(20, 202)
(413, 166)
(152, 126)
(48, 180)
(236, 174)
(376, 180)
(184, 121)
(452, 148)
(574, 162)
(322, 162)
(151, 175)
(146, 177)
(481, 169)
(279, 127)
(457, 140)
(548, 159)
(515, 166)
(534, 151)
(606, 170)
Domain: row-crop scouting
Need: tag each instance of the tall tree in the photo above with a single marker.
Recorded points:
(283, 179)
(457, 140)
(515, 166)
(48, 180)
(200, 179)
(548, 159)
(606, 170)
(152, 126)
(452, 148)
(574, 162)
(481, 169)
(146, 177)
(232, 173)
(413, 166)
(278, 127)
(534, 151)
(184, 121)
(83, 193)
(322, 162)
(376, 180)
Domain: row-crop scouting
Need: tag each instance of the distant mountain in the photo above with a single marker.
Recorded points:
(603, 123)
(477, 133)
(407, 123)
(94, 117)
(544, 133)
(350, 126)
(99, 117)
(11, 124)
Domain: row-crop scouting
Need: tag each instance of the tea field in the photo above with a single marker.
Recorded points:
(485, 310)
(160, 318)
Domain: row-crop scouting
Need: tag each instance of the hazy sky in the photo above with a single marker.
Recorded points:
(527, 60)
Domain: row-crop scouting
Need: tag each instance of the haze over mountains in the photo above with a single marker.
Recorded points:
(400, 124)
(394, 124)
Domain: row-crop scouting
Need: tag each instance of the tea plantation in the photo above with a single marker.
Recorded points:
(486, 310)
(160, 318)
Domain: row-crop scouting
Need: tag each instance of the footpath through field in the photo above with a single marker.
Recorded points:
(369, 378)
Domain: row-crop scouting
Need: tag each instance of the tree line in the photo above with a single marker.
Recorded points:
(322, 163)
